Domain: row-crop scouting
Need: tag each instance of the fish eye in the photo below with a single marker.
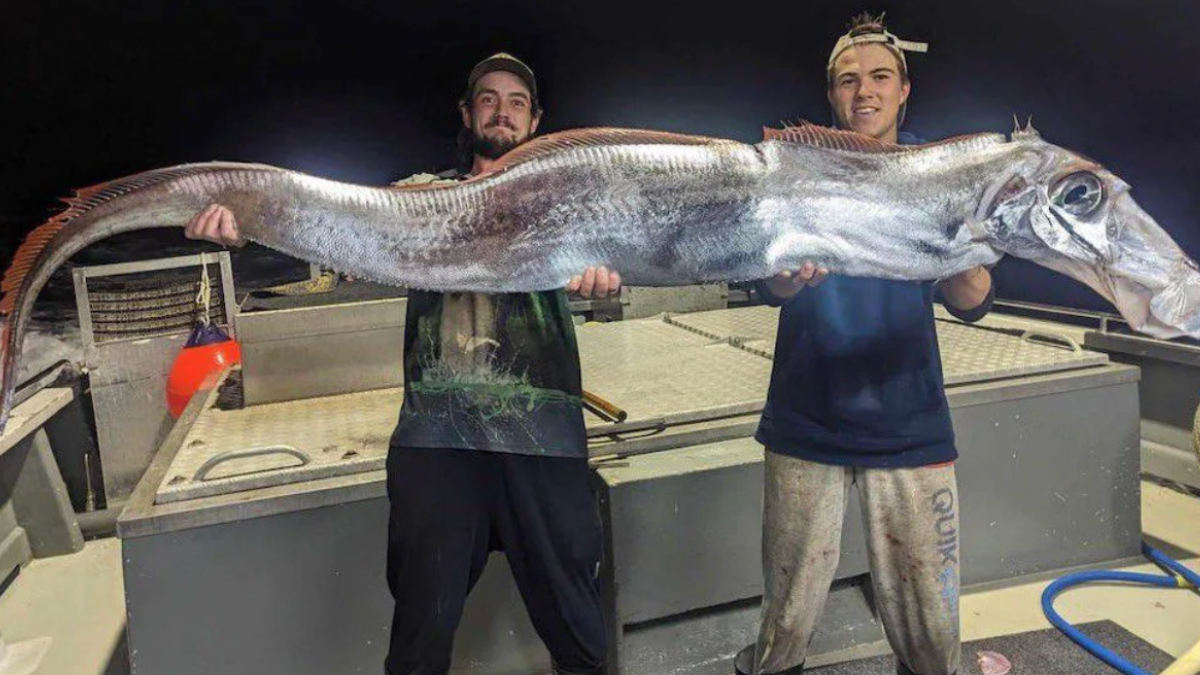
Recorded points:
(1080, 194)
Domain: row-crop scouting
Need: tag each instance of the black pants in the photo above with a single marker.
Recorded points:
(449, 509)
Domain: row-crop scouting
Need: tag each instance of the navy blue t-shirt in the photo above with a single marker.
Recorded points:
(857, 377)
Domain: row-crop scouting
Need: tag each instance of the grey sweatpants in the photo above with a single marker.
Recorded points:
(911, 519)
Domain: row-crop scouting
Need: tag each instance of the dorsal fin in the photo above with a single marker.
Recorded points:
(84, 201)
(574, 138)
(88, 198)
(562, 140)
(807, 133)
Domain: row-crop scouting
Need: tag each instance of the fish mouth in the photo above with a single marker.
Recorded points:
(1165, 310)
(1154, 283)
(1165, 307)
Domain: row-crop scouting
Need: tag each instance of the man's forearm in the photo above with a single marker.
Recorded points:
(967, 290)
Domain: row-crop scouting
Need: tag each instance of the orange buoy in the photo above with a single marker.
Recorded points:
(208, 350)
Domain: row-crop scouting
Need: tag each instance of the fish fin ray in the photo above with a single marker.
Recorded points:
(83, 201)
(563, 140)
(23, 261)
(807, 133)
(549, 144)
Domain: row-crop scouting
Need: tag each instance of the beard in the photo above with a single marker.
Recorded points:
(492, 148)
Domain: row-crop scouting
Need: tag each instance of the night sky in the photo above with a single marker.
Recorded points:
(364, 90)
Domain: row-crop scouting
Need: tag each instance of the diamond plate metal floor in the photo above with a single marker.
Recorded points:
(661, 370)
(969, 354)
(654, 370)
(263, 445)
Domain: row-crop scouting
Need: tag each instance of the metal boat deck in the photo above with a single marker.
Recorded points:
(664, 371)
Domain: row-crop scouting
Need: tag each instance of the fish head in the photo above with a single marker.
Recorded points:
(1068, 213)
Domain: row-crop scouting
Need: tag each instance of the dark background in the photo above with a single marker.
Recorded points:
(364, 90)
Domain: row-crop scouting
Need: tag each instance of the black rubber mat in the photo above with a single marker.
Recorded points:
(1043, 652)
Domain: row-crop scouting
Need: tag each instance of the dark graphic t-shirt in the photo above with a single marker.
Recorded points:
(491, 372)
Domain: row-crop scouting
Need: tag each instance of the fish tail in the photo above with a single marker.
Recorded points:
(7, 372)
(61, 236)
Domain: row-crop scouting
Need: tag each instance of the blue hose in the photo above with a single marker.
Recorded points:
(1174, 566)
(1183, 577)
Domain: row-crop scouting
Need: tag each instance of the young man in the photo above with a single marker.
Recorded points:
(490, 451)
(856, 396)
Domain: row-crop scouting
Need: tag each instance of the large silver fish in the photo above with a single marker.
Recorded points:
(668, 209)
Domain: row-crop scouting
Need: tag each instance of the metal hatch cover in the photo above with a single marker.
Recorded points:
(970, 354)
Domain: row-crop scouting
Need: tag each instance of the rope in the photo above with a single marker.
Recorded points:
(204, 296)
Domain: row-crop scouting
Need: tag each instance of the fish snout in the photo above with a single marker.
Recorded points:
(1159, 298)
(1154, 283)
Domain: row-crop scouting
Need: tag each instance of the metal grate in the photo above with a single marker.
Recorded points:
(137, 300)
(138, 305)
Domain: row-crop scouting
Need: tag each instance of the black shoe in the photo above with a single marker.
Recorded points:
(559, 670)
(743, 664)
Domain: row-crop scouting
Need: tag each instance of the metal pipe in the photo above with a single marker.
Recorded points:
(606, 409)
(99, 524)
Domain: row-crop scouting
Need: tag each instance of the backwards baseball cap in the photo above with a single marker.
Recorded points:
(507, 63)
(869, 34)
(883, 37)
